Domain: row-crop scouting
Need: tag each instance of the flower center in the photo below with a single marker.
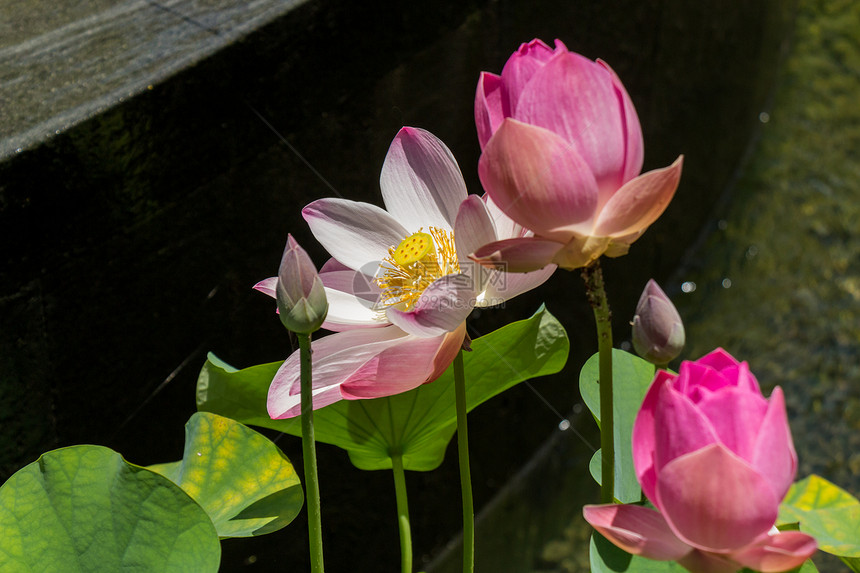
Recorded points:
(414, 264)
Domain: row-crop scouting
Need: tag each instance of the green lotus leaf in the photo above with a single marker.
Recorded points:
(631, 378)
(243, 480)
(84, 508)
(417, 424)
(825, 511)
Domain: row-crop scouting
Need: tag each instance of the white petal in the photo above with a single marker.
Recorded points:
(346, 311)
(421, 183)
(356, 234)
(506, 228)
(283, 405)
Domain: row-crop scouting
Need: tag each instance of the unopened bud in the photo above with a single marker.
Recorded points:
(658, 333)
(302, 304)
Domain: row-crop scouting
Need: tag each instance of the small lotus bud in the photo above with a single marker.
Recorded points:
(658, 333)
(302, 304)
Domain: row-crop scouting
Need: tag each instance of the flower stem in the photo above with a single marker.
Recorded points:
(402, 514)
(465, 473)
(312, 488)
(596, 293)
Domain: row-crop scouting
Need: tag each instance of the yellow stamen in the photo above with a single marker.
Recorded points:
(414, 264)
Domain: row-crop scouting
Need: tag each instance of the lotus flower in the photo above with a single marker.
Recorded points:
(715, 458)
(302, 305)
(658, 333)
(398, 288)
(562, 152)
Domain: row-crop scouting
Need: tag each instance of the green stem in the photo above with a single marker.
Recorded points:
(596, 292)
(402, 514)
(465, 473)
(312, 488)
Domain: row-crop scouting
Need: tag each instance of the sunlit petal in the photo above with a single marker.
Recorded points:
(637, 530)
(714, 500)
(519, 69)
(538, 180)
(402, 367)
(773, 454)
(780, 552)
(634, 147)
(334, 358)
(568, 96)
(421, 182)
(639, 202)
(517, 255)
(354, 233)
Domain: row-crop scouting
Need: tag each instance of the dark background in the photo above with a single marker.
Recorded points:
(130, 242)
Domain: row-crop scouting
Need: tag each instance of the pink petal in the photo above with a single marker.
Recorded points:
(538, 180)
(267, 286)
(737, 416)
(639, 202)
(718, 359)
(680, 428)
(637, 530)
(335, 359)
(715, 501)
(694, 375)
(473, 229)
(644, 435)
(298, 277)
(502, 286)
(742, 377)
(333, 265)
(519, 69)
(488, 106)
(405, 366)
(336, 356)
(634, 146)
(448, 350)
(517, 255)
(774, 456)
(356, 234)
(441, 308)
(497, 286)
(421, 182)
(575, 98)
(781, 552)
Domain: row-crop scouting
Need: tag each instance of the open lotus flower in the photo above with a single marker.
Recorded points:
(715, 458)
(562, 152)
(398, 288)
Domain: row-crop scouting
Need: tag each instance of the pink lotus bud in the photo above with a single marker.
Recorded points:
(716, 458)
(562, 155)
(658, 333)
(302, 304)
